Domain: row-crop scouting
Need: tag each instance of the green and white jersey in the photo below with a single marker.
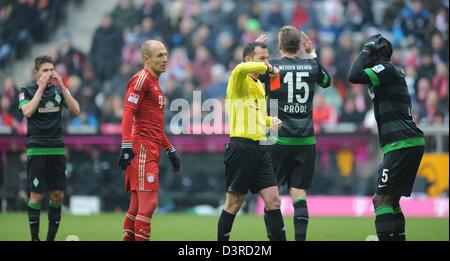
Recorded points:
(392, 107)
(294, 90)
(44, 130)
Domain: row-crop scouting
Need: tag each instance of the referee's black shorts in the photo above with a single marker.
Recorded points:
(248, 166)
(294, 165)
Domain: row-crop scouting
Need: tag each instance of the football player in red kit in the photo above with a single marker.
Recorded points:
(142, 136)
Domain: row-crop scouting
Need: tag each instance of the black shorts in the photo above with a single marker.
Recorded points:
(294, 165)
(398, 171)
(248, 166)
(46, 173)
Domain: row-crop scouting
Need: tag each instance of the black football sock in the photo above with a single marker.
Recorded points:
(399, 225)
(269, 234)
(224, 226)
(301, 219)
(276, 225)
(34, 212)
(384, 222)
(54, 218)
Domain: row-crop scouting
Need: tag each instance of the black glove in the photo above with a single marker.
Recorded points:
(174, 159)
(373, 44)
(126, 155)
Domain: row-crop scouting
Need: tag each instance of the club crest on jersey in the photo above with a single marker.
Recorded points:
(150, 177)
(378, 68)
(58, 98)
(134, 98)
(21, 96)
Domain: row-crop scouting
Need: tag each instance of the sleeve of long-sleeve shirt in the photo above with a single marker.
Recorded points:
(243, 69)
(323, 77)
(165, 141)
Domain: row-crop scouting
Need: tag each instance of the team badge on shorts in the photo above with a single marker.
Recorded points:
(150, 178)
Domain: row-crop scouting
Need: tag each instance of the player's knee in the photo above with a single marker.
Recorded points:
(36, 197)
(274, 202)
(381, 200)
(57, 196)
(233, 207)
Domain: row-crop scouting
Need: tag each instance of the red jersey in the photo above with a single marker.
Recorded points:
(144, 110)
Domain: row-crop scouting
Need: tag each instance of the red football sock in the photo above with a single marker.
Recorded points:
(128, 224)
(147, 202)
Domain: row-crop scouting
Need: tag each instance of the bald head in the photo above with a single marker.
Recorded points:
(149, 46)
(154, 55)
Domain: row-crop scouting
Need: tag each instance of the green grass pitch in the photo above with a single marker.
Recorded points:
(185, 227)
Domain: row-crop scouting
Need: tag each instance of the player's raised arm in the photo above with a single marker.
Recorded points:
(27, 104)
(323, 77)
(72, 105)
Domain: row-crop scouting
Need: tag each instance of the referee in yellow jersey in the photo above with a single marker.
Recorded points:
(248, 165)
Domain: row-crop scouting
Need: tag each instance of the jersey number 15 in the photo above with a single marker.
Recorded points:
(289, 79)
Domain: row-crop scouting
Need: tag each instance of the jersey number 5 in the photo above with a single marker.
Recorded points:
(289, 79)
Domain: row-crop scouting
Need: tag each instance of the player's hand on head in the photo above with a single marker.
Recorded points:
(126, 155)
(174, 159)
(372, 46)
(43, 80)
(306, 42)
(58, 78)
(261, 39)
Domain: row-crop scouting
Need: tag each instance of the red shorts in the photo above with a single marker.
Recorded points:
(142, 173)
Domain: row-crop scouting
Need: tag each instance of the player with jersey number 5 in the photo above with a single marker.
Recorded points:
(142, 137)
(294, 151)
(401, 141)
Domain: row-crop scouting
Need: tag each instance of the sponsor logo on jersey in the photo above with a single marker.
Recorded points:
(49, 107)
(21, 96)
(378, 68)
(133, 98)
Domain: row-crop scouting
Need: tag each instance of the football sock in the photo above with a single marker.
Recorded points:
(399, 225)
(130, 217)
(54, 218)
(301, 219)
(142, 228)
(147, 203)
(128, 227)
(384, 222)
(224, 226)
(269, 234)
(34, 212)
(276, 225)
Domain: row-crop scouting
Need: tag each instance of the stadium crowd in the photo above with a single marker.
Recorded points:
(205, 41)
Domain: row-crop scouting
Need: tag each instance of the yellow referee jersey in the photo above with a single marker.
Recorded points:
(246, 103)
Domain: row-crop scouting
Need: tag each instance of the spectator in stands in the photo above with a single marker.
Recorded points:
(349, 114)
(106, 49)
(322, 112)
(125, 15)
(433, 112)
(153, 9)
(70, 56)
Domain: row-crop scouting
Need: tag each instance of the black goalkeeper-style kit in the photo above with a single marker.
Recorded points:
(45, 142)
(398, 134)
